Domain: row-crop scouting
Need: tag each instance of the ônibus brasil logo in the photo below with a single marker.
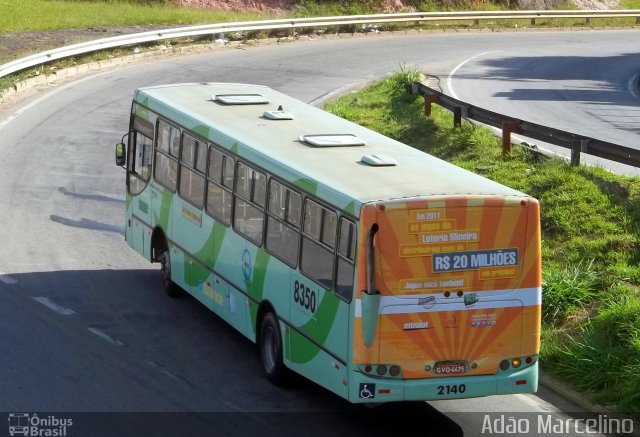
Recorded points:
(32, 425)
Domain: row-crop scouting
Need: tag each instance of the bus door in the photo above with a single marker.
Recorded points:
(451, 281)
(167, 153)
(139, 165)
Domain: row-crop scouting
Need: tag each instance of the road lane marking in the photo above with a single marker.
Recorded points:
(633, 84)
(453, 72)
(103, 335)
(164, 371)
(54, 306)
(48, 93)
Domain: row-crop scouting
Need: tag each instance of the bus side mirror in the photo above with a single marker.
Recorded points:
(121, 154)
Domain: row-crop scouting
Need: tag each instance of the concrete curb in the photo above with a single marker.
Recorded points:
(581, 399)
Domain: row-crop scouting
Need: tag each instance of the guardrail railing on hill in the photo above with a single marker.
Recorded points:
(293, 23)
(509, 125)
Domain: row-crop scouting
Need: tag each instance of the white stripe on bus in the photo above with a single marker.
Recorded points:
(409, 304)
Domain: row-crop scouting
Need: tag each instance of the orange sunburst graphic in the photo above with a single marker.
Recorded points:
(481, 229)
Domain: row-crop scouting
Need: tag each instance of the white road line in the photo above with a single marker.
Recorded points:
(105, 336)
(19, 112)
(54, 306)
(164, 371)
(7, 279)
(453, 72)
(633, 86)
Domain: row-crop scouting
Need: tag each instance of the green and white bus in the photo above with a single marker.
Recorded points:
(376, 270)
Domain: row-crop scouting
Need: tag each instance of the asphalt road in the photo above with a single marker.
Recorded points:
(84, 325)
(586, 90)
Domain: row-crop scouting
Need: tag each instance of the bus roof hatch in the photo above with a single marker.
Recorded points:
(240, 99)
(332, 140)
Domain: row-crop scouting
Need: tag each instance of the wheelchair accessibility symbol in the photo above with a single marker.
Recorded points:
(367, 391)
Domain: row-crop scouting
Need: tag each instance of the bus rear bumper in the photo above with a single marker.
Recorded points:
(366, 389)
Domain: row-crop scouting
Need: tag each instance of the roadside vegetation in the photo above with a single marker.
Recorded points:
(590, 237)
(18, 15)
(21, 15)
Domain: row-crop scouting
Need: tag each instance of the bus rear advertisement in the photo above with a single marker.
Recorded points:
(371, 268)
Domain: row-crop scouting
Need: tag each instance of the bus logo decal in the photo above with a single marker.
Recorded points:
(470, 299)
(427, 302)
(412, 326)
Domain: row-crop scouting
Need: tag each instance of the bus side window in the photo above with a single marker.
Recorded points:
(167, 147)
(318, 241)
(219, 185)
(283, 235)
(248, 214)
(192, 166)
(346, 256)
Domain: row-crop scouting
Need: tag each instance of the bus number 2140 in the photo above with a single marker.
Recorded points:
(304, 296)
(451, 389)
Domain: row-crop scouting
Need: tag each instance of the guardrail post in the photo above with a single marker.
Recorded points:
(533, 21)
(429, 99)
(587, 21)
(508, 127)
(457, 116)
(577, 147)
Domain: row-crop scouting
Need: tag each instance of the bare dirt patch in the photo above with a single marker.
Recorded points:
(14, 45)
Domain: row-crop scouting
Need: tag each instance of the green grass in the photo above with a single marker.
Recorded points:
(591, 273)
(68, 14)
(58, 14)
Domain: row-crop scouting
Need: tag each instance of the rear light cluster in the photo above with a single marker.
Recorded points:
(382, 370)
(516, 363)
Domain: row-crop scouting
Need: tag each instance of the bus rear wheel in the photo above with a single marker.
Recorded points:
(168, 285)
(270, 346)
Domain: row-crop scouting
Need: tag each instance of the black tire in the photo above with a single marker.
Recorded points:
(270, 346)
(168, 285)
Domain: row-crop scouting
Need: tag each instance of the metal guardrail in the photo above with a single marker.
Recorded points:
(576, 143)
(293, 23)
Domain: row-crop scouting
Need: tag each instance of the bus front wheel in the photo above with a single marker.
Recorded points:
(271, 350)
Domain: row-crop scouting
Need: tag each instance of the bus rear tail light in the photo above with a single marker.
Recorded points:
(382, 370)
(394, 371)
(516, 363)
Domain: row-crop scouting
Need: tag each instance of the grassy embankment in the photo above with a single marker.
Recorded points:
(591, 301)
(591, 238)
(19, 15)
